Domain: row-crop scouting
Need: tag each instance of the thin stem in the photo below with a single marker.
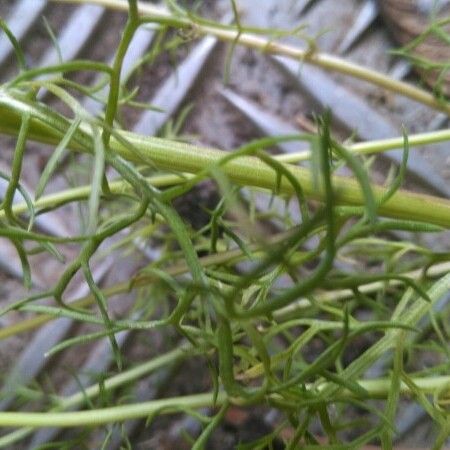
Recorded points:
(280, 315)
(377, 146)
(380, 387)
(110, 415)
(111, 383)
(114, 85)
(63, 197)
(125, 377)
(375, 388)
(328, 62)
(342, 294)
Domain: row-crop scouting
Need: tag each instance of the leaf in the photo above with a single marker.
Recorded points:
(54, 159)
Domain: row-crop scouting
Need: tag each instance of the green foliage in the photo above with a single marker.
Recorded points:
(273, 319)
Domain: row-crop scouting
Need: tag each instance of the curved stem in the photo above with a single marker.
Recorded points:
(114, 85)
(281, 315)
(244, 170)
(265, 45)
(375, 388)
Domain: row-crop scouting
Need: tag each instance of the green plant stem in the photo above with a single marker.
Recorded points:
(251, 171)
(280, 315)
(60, 198)
(96, 417)
(111, 383)
(63, 197)
(325, 61)
(245, 170)
(114, 84)
(378, 388)
(410, 314)
(342, 294)
(258, 171)
(377, 146)
(125, 377)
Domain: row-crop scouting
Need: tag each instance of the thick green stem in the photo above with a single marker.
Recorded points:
(362, 148)
(251, 171)
(244, 170)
